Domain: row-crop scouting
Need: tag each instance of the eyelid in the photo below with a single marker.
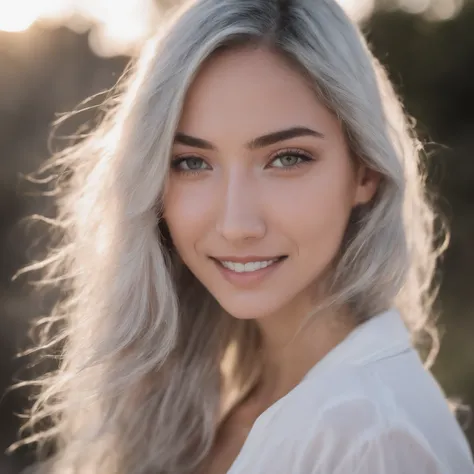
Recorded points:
(296, 151)
(277, 154)
(178, 159)
(303, 154)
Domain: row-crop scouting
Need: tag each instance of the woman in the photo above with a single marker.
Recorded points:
(248, 258)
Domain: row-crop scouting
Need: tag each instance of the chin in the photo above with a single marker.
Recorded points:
(251, 311)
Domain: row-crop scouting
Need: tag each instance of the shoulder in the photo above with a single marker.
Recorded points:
(345, 423)
(349, 424)
(354, 436)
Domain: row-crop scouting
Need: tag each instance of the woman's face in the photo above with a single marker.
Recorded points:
(261, 186)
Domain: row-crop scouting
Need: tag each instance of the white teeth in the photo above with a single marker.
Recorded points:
(247, 267)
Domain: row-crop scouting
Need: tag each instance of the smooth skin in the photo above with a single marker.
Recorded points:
(231, 193)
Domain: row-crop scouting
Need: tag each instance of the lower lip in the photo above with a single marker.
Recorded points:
(246, 279)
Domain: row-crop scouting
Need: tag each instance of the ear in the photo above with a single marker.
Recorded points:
(367, 183)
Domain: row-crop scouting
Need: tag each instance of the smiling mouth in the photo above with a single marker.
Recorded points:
(248, 267)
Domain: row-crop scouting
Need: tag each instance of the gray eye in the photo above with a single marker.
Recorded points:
(286, 161)
(194, 163)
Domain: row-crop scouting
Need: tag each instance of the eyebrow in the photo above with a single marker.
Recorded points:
(259, 142)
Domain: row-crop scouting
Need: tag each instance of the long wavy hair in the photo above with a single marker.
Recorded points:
(149, 361)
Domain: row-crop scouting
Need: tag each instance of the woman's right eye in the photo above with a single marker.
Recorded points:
(189, 164)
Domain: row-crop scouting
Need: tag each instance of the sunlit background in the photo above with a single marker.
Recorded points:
(119, 27)
(54, 54)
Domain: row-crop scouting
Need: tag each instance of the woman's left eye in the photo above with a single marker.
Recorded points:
(290, 160)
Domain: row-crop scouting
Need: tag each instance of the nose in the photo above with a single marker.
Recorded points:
(241, 216)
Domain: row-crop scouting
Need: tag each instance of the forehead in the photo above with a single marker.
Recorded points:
(251, 91)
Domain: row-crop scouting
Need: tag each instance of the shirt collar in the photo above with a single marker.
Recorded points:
(382, 335)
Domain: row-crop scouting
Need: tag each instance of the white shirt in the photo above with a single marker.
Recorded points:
(368, 407)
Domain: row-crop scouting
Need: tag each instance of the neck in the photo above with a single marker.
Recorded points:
(288, 358)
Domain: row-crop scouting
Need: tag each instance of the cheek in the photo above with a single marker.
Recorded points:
(314, 215)
(316, 206)
(187, 211)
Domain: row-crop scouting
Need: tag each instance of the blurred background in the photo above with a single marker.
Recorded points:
(56, 53)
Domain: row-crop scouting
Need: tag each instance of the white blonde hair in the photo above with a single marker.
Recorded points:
(140, 384)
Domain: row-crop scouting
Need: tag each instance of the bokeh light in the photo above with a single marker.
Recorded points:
(116, 27)
(120, 26)
(17, 16)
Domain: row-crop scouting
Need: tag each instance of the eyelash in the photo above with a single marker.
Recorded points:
(303, 156)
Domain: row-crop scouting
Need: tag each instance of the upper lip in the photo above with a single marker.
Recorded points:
(249, 258)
